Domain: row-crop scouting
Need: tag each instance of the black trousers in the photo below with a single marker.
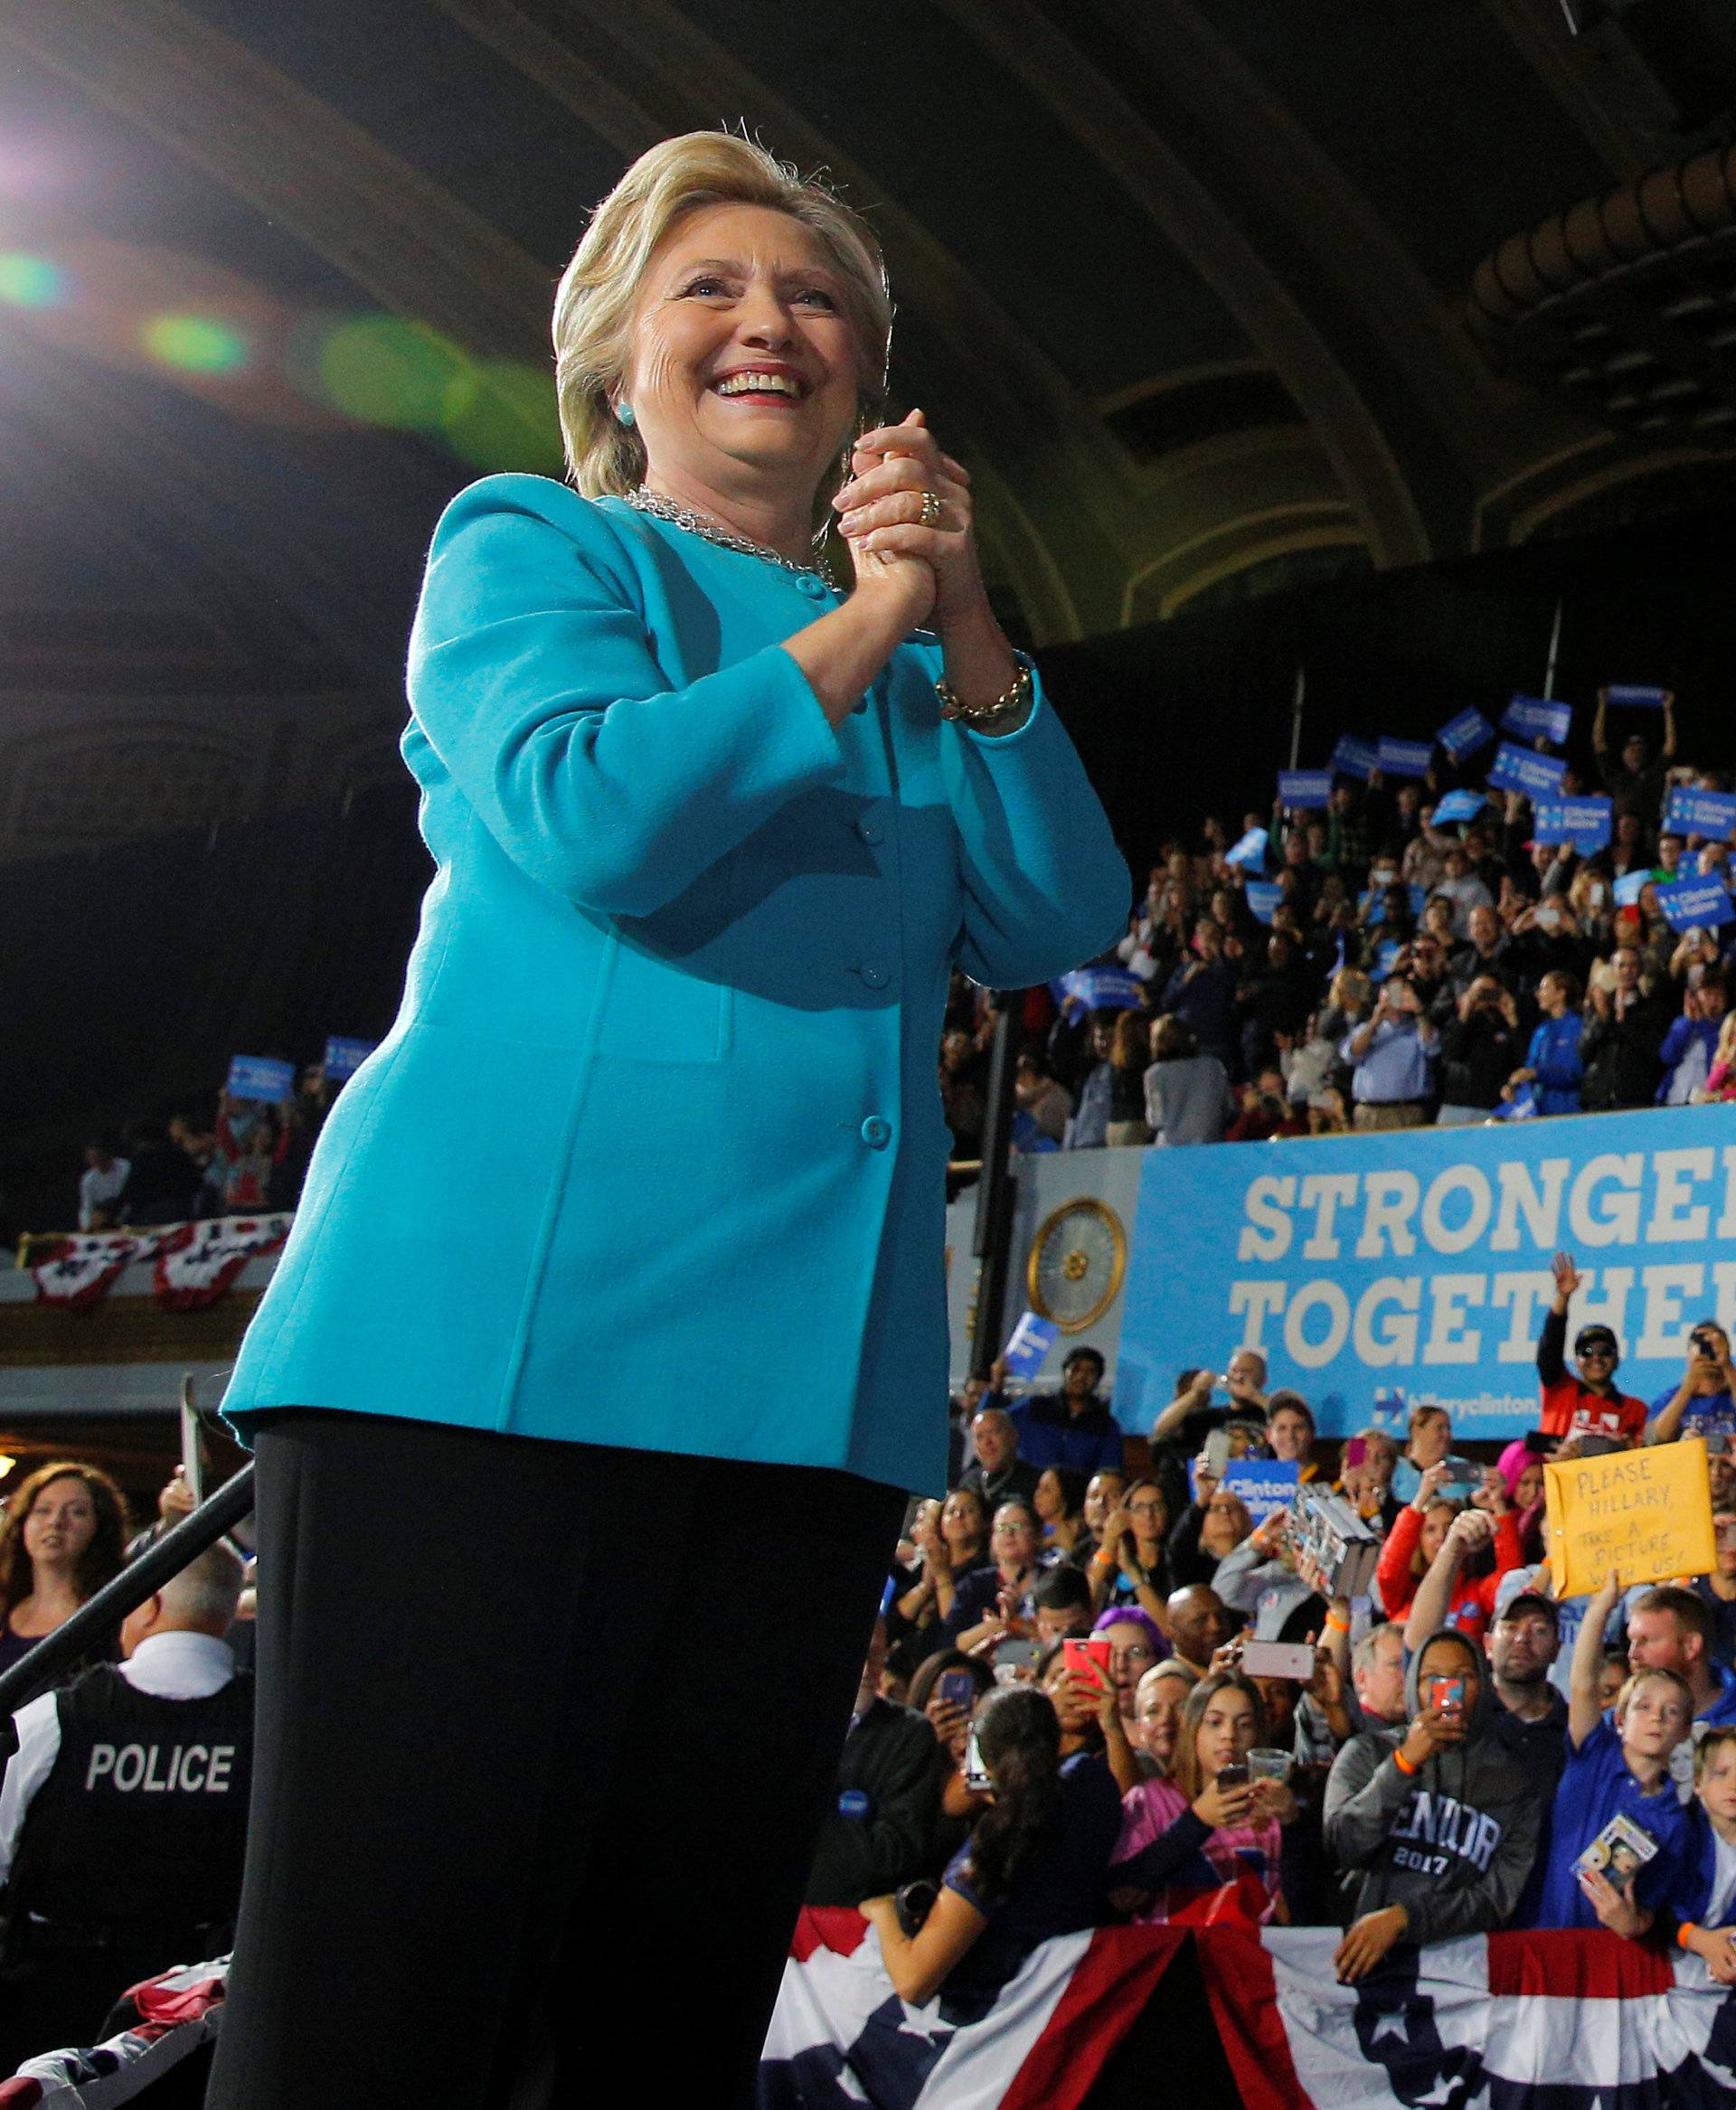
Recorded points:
(546, 1734)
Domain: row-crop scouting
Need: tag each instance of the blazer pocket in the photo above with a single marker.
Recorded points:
(655, 1012)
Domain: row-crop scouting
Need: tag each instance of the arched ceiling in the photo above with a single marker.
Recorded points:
(1184, 280)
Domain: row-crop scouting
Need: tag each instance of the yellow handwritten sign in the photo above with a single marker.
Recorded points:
(1646, 1513)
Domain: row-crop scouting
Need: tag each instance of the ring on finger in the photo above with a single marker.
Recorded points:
(930, 509)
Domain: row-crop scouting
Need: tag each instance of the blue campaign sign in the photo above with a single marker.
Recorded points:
(1263, 897)
(1354, 757)
(1264, 1484)
(1459, 805)
(1463, 735)
(1537, 717)
(1628, 888)
(1386, 958)
(1712, 814)
(1419, 1261)
(1405, 758)
(1251, 852)
(1636, 695)
(1586, 823)
(1029, 1343)
(1518, 770)
(345, 1057)
(1696, 903)
(1374, 903)
(257, 1077)
(1305, 787)
(1102, 988)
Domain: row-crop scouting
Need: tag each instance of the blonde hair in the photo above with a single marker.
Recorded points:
(599, 288)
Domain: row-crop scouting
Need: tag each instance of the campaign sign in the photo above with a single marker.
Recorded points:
(1374, 903)
(1305, 787)
(1459, 805)
(1636, 695)
(1518, 770)
(1405, 758)
(1420, 1261)
(1263, 897)
(1354, 757)
(1102, 988)
(1646, 1513)
(1463, 735)
(1030, 1342)
(1712, 814)
(257, 1077)
(1537, 717)
(1628, 888)
(1586, 823)
(1251, 852)
(345, 1057)
(1386, 958)
(1689, 903)
(1265, 1484)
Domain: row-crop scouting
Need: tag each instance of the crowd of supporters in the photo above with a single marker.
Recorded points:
(1410, 973)
(1097, 1695)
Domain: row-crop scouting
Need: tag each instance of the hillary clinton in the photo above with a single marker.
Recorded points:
(622, 1255)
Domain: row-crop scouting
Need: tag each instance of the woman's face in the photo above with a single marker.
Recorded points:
(926, 1520)
(1150, 1514)
(961, 1520)
(1101, 1495)
(1435, 1524)
(1227, 1523)
(1016, 1538)
(743, 357)
(1529, 1486)
(1131, 1655)
(1157, 1716)
(62, 1523)
(1226, 1731)
(1050, 1498)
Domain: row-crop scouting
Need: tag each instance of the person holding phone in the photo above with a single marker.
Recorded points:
(1392, 1060)
(1212, 1821)
(1433, 1824)
(1702, 1402)
(1421, 1532)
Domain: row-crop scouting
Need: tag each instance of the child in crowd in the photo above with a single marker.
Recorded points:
(1617, 1766)
(1706, 1909)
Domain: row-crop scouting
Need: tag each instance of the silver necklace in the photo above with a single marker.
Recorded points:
(696, 523)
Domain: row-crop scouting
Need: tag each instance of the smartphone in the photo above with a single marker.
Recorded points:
(1018, 1654)
(1539, 1443)
(956, 1689)
(1278, 1659)
(1355, 1451)
(1597, 1446)
(976, 1772)
(1445, 1696)
(1217, 1452)
(191, 1458)
(1237, 1775)
(1087, 1659)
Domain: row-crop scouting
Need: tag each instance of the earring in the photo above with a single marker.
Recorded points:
(624, 411)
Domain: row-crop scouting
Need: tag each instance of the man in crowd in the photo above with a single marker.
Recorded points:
(1623, 1034)
(101, 1184)
(1071, 1427)
(1199, 1626)
(1672, 1629)
(1691, 1045)
(999, 1474)
(1327, 1715)
(1481, 1046)
(1392, 1058)
(1703, 1403)
(880, 1830)
(1191, 1416)
(123, 1815)
(1062, 1602)
(1584, 1401)
(1435, 1824)
(1635, 777)
(1091, 1126)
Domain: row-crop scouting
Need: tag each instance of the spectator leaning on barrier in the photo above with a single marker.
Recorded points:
(101, 1184)
(1073, 1426)
(878, 1833)
(1616, 1767)
(1392, 1061)
(1433, 1824)
(1188, 1098)
(123, 1815)
(1586, 1402)
(1703, 1403)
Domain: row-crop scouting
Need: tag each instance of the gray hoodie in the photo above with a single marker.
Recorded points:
(1453, 1844)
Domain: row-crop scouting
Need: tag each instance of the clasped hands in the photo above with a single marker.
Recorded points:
(880, 517)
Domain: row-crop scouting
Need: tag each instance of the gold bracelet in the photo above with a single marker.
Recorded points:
(1016, 698)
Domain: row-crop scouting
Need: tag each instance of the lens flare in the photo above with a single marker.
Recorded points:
(196, 343)
(501, 415)
(27, 281)
(383, 371)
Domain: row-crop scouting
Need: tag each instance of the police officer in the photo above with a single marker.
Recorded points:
(123, 1816)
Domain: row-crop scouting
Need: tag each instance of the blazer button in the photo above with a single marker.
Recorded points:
(815, 588)
(876, 1132)
(870, 831)
(874, 976)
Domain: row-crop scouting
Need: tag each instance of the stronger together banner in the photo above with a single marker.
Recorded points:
(1372, 1270)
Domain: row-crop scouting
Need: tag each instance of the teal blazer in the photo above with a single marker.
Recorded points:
(653, 1155)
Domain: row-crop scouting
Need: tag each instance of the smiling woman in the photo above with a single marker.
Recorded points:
(711, 834)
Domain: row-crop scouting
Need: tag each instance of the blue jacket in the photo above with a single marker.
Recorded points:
(653, 1155)
(1555, 1055)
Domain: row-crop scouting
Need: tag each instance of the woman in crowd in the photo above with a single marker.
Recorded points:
(994, 1601)
(1089, 1708)
(1214, 1525)
(1103, 1495)
(1032, 1868)
(1188, 1098)
(1158, 1702)
(1128, 1055)
(1415, 1538)
(1553, 1067)
(1059, 1503)
(1132, 1565)
(1619, 1768)
(1522, 1471)
(1193, 1832)
(710, 833)
(1135, 1642)
(955, 1547)
(63, 1537)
